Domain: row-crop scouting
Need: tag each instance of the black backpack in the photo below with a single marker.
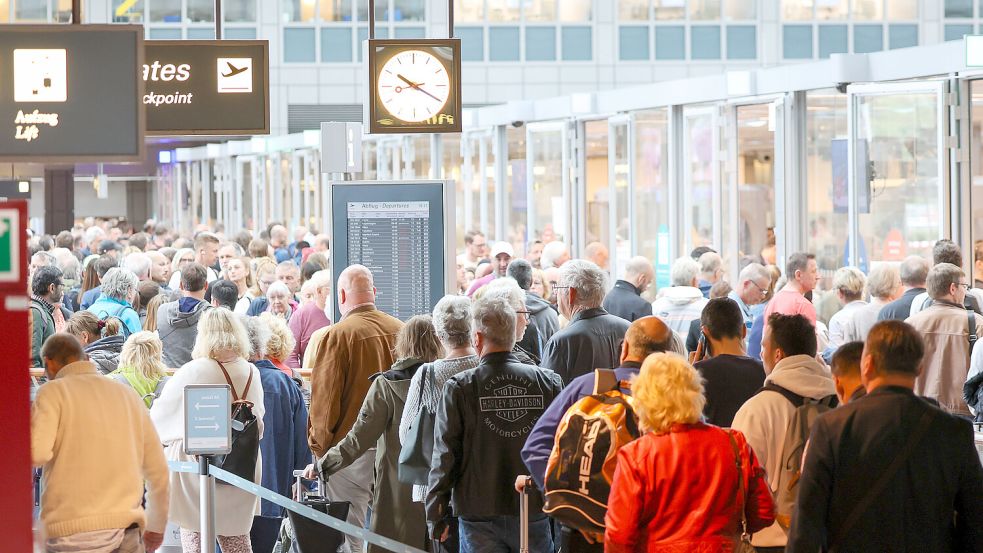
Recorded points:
(241, 461)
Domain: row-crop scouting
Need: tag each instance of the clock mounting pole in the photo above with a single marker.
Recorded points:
(372, 19)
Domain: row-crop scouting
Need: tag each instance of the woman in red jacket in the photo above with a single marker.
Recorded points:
(676, 487)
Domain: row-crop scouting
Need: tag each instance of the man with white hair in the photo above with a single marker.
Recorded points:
(711, 271)
(139, 264)
(752, 289)
(555, 254)
(483, 420)
(311, 317)
(343, 357)
(593, 338)
(625, 299)
(683, 302)
(93, 235)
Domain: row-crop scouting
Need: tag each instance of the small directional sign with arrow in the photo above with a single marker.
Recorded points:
(207, 419)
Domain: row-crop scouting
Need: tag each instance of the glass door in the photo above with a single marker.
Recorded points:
(753, 200)
(620, 175)
(898, 188)
(702, 209)
(548, 174)
(477, 179)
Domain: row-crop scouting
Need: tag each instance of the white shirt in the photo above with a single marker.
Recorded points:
(843, 325)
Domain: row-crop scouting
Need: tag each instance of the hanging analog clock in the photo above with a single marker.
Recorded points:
(414, 85)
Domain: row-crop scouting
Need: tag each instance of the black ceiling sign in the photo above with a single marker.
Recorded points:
(207, 87)
(71, 93)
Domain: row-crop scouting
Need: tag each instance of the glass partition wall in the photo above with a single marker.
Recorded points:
(859, 178)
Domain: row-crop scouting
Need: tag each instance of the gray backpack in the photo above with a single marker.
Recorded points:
(796, 436)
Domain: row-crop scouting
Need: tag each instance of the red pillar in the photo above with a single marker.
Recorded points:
(15, 349)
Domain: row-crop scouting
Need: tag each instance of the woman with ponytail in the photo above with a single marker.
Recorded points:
(102, 339)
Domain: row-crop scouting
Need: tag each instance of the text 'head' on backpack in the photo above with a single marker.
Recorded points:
(793, 447)
(585, 453)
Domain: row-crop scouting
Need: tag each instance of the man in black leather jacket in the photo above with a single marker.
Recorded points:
(482, 423)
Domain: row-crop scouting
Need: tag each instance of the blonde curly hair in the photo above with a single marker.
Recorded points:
(282, 340)
(667, 391)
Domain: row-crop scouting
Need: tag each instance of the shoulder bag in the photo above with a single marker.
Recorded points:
(241, 461)
(743, 544)
(415, 456)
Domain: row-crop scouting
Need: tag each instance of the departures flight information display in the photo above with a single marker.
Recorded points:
(399, 231)
(392, 239)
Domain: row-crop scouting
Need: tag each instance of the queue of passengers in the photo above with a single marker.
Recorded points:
(739, 418)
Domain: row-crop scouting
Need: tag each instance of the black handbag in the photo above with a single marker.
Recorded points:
(241, 461)
(415, 455)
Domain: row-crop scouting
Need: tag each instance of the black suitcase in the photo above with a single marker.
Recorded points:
(311, 536)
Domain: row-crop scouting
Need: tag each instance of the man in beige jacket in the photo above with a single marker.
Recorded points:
(945, 328)
(95, 440)
(342, 357)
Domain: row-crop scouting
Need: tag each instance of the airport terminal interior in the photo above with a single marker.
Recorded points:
(821, 147)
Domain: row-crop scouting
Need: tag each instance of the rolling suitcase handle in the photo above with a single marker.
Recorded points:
(298, 493)
(524, 516)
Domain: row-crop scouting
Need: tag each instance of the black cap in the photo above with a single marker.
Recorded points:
(107, 245)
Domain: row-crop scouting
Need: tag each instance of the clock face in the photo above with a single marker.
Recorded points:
(413, 86)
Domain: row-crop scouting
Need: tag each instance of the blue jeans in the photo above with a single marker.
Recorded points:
(500, 534)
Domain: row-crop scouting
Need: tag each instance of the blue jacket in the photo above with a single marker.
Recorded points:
(539, 444)
(107, 306)
(257, 306)
(284, 444)
(90, 297)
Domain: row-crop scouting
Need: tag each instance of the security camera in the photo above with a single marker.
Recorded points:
(841, 87)
(518, 124)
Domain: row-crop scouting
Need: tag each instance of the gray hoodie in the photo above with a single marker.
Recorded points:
(178, 330)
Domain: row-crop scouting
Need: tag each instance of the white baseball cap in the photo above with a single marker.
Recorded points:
(502, 247)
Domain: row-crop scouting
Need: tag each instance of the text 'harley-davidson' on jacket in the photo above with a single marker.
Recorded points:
(482, 422)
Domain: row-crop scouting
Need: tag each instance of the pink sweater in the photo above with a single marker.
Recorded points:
(304, 323)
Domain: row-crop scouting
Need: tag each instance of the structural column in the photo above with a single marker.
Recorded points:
(59, 198)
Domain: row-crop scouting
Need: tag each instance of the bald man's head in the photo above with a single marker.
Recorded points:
(646, 336)
(61, 349)
(639, 271)
(355, 287)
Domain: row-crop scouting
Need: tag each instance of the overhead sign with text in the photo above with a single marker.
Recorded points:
(207, 87)
(71, 93)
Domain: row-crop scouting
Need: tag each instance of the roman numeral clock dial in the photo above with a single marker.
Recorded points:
(415, 85)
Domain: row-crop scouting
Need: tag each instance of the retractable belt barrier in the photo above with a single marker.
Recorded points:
(300, 509)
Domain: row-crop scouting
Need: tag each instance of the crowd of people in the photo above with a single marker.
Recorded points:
(743, 413)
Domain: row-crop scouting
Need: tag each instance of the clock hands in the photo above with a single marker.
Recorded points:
(416, 86)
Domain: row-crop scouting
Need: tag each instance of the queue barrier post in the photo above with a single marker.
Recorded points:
(285, 502)
(206, 504)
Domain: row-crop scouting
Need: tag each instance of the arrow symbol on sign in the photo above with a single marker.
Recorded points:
(3, 227)
(198, 406)
(207, 427)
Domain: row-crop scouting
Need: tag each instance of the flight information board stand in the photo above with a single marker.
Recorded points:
(403, 232)
(207, 432)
